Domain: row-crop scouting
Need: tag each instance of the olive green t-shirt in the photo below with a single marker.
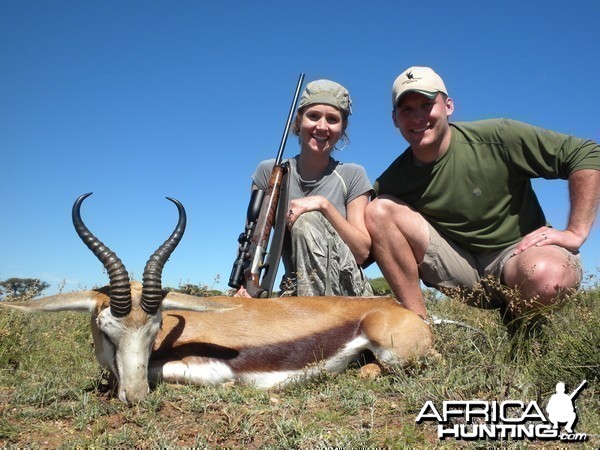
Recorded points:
(479, 192)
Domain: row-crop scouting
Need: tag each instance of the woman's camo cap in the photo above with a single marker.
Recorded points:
(326, 92)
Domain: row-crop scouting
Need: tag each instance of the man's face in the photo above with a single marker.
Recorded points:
(422, 121)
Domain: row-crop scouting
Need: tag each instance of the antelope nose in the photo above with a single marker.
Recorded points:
(132, 397)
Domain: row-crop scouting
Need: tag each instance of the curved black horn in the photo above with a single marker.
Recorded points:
(120, 291)
(151, 279)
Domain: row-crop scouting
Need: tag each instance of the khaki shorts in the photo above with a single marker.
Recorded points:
(447, 266)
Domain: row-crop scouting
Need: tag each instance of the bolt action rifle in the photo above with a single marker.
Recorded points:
(255, 267)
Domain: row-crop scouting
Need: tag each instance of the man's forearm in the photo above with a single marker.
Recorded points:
(584, 194)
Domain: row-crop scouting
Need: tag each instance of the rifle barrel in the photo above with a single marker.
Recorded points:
(260, 219)
(289, 120)
(576, 391)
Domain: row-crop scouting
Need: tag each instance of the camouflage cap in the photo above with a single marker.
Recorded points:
(326, 92)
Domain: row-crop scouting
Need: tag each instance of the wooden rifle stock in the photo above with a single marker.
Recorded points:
(262, 234)
(250, 269)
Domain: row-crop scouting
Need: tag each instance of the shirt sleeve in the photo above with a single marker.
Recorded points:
(262, 174)
(538, 152)
(359, 183)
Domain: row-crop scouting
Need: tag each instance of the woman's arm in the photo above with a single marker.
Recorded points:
(351, 229)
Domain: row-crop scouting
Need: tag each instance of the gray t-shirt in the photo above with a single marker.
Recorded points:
(342, 182)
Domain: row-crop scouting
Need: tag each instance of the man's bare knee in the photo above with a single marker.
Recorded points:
(543, 277)
(544, 272)
(381, 210)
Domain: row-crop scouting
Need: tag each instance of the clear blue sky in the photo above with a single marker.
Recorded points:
(138, 100)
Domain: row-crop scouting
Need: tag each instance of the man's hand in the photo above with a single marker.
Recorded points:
(550, 236)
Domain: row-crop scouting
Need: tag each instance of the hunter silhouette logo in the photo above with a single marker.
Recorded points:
(508, 419)
(560, 407)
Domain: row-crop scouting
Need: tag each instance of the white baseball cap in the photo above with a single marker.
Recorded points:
(418, 79)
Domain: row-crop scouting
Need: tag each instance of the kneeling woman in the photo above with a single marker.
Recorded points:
(327, 239)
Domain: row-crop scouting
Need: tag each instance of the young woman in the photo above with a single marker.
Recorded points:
(326, 238)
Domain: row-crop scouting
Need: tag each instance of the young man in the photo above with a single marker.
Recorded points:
(457, 209)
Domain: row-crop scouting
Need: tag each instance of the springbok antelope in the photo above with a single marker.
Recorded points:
(142, 332)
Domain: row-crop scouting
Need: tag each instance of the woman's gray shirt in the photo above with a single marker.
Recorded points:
(342, 182)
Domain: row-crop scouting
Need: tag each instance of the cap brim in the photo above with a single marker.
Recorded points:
(429, 94)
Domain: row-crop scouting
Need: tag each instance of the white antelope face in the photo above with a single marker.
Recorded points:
(126, 345)
(141, 332)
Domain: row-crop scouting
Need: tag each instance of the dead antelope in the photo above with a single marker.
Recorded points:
(142, 332)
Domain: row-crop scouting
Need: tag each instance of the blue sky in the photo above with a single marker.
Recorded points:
(138, 100)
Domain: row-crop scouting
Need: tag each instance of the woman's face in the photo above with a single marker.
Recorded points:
(321, 126)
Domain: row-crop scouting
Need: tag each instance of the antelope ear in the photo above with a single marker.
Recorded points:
(73, 301)
(177, 300)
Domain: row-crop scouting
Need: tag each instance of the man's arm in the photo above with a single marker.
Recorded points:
(584, 194)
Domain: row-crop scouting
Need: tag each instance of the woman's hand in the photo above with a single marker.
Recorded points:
(242, 292)
(302, 205)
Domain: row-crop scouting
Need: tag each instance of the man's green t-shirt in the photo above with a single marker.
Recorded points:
(479, 192)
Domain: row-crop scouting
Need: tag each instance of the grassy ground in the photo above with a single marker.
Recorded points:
(53, 394)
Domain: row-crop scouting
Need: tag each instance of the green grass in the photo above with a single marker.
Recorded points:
(53, 394)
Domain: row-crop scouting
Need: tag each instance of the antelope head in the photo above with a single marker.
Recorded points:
(126, 316)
